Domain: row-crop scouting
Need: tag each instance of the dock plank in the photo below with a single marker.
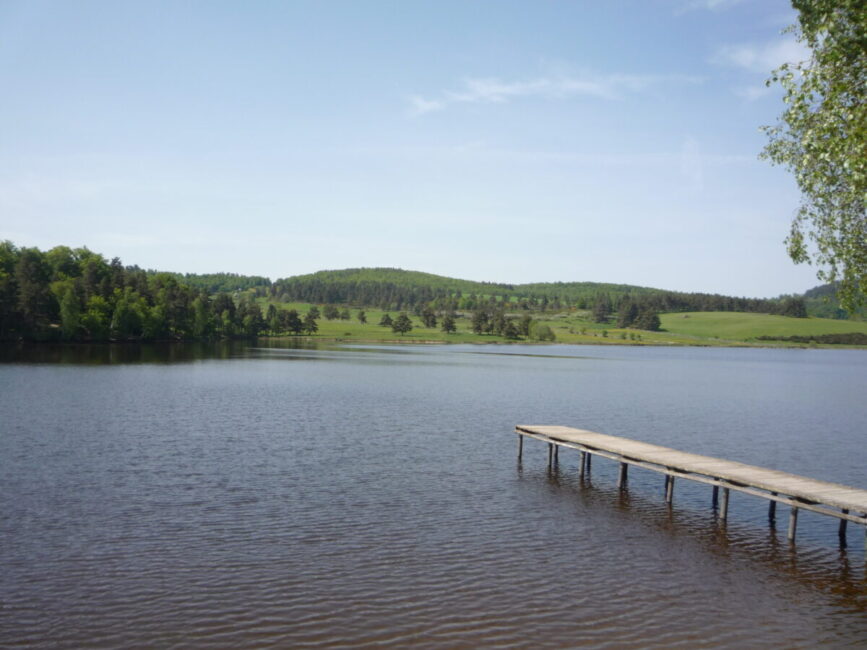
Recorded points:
(792, 485)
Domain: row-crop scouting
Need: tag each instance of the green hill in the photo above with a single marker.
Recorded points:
(420, 280)
(398, 289)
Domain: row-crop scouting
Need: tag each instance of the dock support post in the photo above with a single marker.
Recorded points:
(724, 505)
(621, 479)
(582, 462)
(841, 532)
(520, 446)
(793, 523)
(772, 510)
(589, 456)
(669, 489)
(550, 454)
(715, 497)
(556, 454)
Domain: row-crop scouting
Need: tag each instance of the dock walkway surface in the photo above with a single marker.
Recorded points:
(799, 492)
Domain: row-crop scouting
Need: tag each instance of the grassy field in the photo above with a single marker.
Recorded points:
(737, 326)
(575, 326)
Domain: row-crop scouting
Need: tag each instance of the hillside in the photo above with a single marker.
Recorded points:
(397, 289)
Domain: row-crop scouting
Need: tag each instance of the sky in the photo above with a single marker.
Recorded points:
(487, 140)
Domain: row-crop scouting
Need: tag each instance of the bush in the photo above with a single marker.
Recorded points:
(539, 332)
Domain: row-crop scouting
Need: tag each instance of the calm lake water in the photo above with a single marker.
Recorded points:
(370, 496)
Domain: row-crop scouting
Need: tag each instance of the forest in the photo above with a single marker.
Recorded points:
(396, 289)
(77, 295)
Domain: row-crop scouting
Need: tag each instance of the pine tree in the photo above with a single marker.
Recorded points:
(601, 308)
(402, 324)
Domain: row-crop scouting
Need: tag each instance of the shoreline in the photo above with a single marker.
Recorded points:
(697, 343)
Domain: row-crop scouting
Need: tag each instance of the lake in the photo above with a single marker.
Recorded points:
(370, 496)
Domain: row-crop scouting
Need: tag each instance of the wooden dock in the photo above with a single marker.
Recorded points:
(798, 492)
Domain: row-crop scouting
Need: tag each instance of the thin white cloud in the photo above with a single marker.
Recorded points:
(707, 5)
(495, 91)
(420, 105)
(761, 57)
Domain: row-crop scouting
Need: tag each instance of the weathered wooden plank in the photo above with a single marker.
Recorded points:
(798, 487)
(710, 480)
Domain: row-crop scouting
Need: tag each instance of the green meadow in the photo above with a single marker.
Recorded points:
(738, 326)
(577, 327)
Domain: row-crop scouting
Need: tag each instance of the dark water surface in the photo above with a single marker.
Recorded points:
(369, 496)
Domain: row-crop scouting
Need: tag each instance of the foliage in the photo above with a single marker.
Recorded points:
(220, 282)
(541, 332)
(822, 302)
(396, 290)
(601, 308)
(647, 320)
(428, 317)
(793, 307)
(309, 325)
(627, 314)
(822, 138)
(402, 324)
(77, 295)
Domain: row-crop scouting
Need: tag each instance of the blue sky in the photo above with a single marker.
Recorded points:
(491, 140)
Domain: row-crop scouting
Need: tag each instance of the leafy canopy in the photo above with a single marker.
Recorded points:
(821, 137)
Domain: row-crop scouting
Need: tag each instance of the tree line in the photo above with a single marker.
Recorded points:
(417, 290)
(77, 295)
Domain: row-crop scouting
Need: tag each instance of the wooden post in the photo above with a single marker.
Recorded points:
(582, 461)
(556, 454)
(724, 505)
(841, 532)
(669, 489)
(589, 456)
(520, 446)
(550, 454)
(793, 523)
(714, 499)
(621, 479)
(772, 510)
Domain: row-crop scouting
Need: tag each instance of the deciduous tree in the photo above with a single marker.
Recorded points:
(821, 137)
(309, 325)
